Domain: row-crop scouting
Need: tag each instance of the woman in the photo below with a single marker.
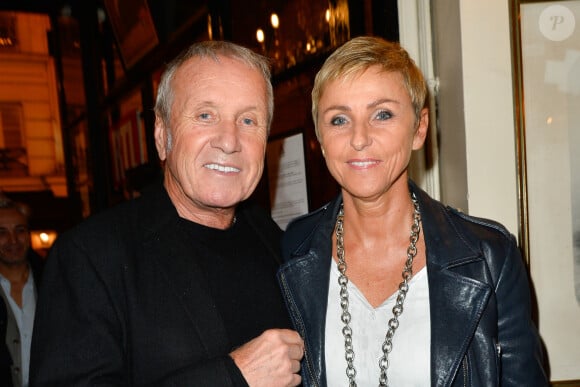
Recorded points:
(386, 285)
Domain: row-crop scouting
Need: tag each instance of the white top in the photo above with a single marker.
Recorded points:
(24, 319)
(409, 360)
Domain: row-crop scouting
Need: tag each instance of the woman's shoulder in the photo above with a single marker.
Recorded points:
(301, 231)
(443, 216)
(479, 224)
(485, 237)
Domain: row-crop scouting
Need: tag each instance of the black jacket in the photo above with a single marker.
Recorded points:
(124, 303)
(481, 328)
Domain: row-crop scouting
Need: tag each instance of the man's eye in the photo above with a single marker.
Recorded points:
(205, 116)
(22, 230)
(337, 121)
(248, 121)
(383, 115)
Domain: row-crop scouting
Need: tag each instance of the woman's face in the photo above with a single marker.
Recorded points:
(368, 131)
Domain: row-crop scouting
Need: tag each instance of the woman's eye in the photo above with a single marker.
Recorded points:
(383, 115)
(337, 121)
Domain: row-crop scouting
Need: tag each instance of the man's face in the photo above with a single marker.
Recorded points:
(14, 237)
(215, 143)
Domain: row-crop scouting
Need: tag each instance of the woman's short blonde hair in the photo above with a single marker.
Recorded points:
(360, 53)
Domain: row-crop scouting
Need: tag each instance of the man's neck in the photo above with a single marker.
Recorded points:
(15, 273)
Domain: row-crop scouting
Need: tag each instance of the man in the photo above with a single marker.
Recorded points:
(178, 286)
(19, 276)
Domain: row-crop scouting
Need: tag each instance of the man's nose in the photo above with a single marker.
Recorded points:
(227, 137)
(13, 236)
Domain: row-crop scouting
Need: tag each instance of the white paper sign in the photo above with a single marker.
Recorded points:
(287, 179)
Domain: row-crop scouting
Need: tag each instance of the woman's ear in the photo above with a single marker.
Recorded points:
(421, 131)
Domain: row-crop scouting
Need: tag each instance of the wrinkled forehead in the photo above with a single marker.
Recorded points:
(222, 70)
(204, 78)
(200, 65)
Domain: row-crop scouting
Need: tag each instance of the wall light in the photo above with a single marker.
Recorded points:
(260, 35)
(274, 20)
(42, 240)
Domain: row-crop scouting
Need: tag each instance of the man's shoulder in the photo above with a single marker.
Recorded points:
(261, 221)
(109, 218)
(252, 210)
(134, 216)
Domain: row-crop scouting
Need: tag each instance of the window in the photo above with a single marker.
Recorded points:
(12, 151)
(8, 30)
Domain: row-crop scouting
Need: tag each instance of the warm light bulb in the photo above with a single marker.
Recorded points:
(43, 237)
(260, 35)
(274, 20)
(327, 15)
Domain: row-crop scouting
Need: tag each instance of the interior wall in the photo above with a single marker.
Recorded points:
(489, 111)
(476, 108)
(449, 99)
(416, 36)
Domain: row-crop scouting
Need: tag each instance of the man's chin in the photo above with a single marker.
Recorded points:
(224, 203)
(221, 200)
(13, 261)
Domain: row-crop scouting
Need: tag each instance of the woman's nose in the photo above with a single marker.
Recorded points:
(360, 137)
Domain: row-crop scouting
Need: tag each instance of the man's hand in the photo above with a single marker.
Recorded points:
(271, 359)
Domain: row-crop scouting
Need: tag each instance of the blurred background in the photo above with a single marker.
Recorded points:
(78, 80)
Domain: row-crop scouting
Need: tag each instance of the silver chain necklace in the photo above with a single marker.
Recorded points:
(397, 309)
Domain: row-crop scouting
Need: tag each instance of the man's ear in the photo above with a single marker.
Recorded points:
(160, 136)
(421, 131)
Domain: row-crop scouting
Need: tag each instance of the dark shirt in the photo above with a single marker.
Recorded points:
(234, 262)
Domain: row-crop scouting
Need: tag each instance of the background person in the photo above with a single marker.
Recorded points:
(387, 285)
(177, 287)
(20, 272)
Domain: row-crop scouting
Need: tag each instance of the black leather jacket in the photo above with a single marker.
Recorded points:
(481, 328)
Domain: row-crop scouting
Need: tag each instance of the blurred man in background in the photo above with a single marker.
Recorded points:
(19, 276)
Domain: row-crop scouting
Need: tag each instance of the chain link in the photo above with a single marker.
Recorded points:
(393, 323)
